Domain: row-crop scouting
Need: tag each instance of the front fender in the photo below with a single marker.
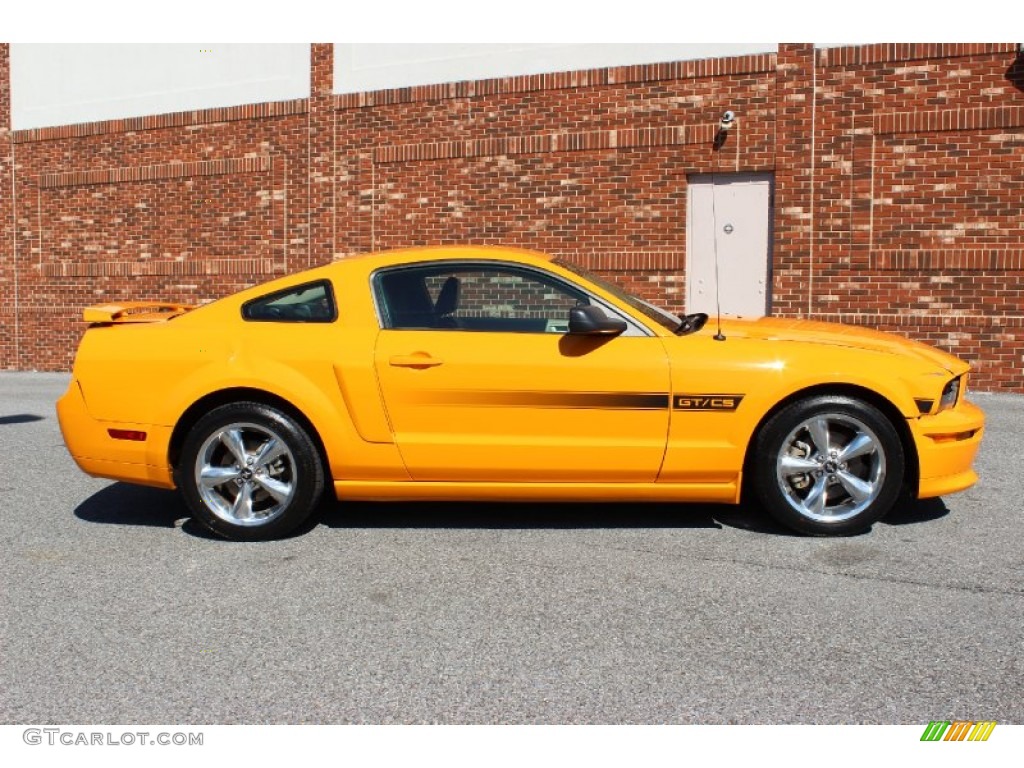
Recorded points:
(714, 443)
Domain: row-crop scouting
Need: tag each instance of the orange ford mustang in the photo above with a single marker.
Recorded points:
(501, 374)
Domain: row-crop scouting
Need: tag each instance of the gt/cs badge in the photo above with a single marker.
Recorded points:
(706, 402)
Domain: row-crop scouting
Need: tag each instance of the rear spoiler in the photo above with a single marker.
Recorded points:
(134, 312)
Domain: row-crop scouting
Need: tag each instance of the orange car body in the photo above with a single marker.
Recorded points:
(449, 414)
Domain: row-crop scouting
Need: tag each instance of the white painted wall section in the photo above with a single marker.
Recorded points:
(59, 84)
(370, 67)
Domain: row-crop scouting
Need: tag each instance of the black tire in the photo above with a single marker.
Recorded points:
(840, 491)
(262, 472)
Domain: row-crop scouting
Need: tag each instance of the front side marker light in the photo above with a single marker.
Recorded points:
(954, 437)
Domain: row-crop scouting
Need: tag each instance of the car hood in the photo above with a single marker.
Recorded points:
(835, 334)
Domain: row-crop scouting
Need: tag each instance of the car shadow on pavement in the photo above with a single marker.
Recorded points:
(916, 511)
(124, 504)
(20, 418)
(512, 515)
(546, 515)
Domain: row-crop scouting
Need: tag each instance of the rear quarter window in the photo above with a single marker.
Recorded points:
(308, 303)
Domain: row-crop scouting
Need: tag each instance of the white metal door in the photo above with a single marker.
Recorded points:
(730, 211)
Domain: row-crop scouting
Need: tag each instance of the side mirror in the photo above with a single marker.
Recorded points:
(592, 321)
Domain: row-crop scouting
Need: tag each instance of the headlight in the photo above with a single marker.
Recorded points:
(950, 394)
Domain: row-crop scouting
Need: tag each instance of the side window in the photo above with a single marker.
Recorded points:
(471, 298)
(309, 303)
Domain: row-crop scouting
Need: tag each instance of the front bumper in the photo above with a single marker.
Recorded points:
(946, 446)
(98, 454)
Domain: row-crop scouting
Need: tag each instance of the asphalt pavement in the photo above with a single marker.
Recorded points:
(116, 608)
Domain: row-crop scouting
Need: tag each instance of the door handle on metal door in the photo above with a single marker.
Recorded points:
(418, 360)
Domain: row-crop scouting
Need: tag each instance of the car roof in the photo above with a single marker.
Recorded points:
(449, 252)
(370, 262)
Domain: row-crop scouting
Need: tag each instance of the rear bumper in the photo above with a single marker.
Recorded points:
(98, 454)
(947, 444)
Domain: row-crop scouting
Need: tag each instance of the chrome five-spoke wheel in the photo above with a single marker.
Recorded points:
(831, 468)
(245, 474)
(250, 471)
(828, 465)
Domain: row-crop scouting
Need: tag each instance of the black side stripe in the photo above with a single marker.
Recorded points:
(637, 401)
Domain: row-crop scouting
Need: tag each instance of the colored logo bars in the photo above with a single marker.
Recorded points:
(958, 730)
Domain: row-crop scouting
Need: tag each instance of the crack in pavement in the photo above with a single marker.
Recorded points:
(972, 589)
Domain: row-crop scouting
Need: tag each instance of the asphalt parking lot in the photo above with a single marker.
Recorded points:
(116, 608)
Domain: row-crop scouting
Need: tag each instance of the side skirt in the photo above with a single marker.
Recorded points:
(359, 490)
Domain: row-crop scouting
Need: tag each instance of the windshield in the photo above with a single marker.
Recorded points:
(662, 317)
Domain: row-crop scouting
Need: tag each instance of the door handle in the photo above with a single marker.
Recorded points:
(418, 360)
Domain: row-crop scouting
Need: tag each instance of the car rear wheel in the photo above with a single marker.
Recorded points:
(828, 465)
(250, 471)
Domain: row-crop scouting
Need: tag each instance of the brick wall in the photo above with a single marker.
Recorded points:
(899, 175)
(8, 292)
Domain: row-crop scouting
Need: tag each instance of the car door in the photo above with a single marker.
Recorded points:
(482, 381)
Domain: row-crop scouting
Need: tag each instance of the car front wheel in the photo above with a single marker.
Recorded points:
(828, 465)
(250, 471)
